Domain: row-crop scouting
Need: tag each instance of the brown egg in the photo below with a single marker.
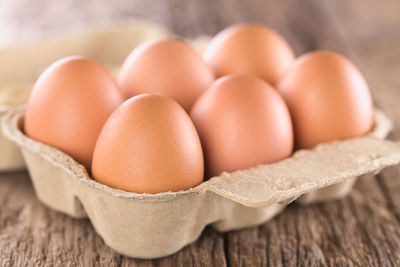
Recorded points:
(69, 104)
(242, 122)
(249, 49)
(328, 99)
(168, 67)
(149, 145)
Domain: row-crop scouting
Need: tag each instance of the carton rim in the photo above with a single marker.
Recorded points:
(13, 132)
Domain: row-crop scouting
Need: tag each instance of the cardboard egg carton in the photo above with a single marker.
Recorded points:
(11, 94)
(157, 225)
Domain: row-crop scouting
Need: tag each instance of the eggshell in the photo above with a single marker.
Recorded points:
(328, 99)
(242, 122)
(69, 104)
(149, 145)
(168, 67)
(249, 49)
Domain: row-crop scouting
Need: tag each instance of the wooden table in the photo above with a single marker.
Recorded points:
(361, 230)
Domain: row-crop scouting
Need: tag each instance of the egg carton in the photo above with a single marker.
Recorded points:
(10, 155)
(157, 225)
(11, 94)
(107, 44)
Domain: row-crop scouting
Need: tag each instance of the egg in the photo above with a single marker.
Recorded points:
(242, 122)
(249, 49)
(149, 145)
(328, 99)
(69, 104)
(167, 67)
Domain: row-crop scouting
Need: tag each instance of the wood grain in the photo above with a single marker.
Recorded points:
(361, 230)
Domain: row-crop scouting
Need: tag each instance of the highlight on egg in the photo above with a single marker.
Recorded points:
(328, 99)
(242, 122)
(149, 145)
(167, 67)
(69, 104)
(252, 49)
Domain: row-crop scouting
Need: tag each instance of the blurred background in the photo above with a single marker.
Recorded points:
(367, 32)
(332, 21)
